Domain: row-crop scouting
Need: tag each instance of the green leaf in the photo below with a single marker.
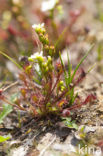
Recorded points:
(75, 126)
(81, 61)
(65, 74)
(71, 95)
(12, 60)
(101, 17)
(4, 138)
(99, 52)
(6, 110)
(60, 38)
(69, 123)
(69, 69)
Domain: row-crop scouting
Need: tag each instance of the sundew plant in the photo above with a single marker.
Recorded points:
(46, 87)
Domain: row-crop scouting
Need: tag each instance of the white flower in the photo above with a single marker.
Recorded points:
(41, 26)
(48, 5)
(16, 1)
(37, 55)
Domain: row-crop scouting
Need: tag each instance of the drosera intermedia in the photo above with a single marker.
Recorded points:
(46, 88)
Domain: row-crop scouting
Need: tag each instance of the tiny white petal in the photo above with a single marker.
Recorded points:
(42, 25)
(48, 5)
(34, 26)
(35, 55)
(38, 25)
(16, 1)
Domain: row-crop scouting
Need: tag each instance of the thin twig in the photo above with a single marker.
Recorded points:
(11, 85)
